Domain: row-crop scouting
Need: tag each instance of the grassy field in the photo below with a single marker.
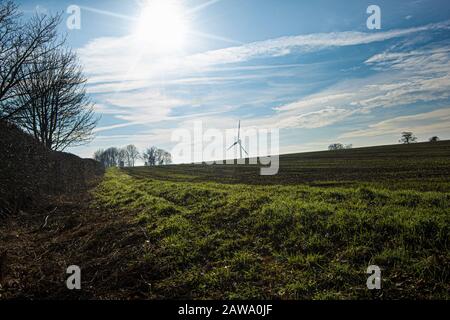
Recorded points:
(420, 166)
(308, 233)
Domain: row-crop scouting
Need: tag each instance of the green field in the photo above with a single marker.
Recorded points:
(308, 233)
(420, 166)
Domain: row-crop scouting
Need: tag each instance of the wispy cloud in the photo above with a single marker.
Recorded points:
(110, 59)
(144, 88)
(420, 76)
(316, 119)
(136, 105)
(433, 122)
(305, 43)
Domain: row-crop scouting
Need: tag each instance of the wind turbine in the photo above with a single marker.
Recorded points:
(239, 142)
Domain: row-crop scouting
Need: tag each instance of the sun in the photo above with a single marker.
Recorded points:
(162, 25)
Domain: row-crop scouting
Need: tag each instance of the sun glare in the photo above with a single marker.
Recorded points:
(162, 25)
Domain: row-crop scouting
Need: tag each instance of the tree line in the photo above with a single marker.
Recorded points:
(407, 137)
(127, 156)
(42, 86)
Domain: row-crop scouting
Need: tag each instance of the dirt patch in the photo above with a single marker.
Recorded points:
(37, 247)
(47, 224)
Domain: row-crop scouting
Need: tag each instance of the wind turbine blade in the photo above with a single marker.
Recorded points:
(243, 149)
(232, 145)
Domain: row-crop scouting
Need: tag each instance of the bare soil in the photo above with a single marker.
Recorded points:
(34, 255)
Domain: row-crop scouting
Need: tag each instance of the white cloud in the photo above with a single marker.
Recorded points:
(434, 122)
(315, 119)
(111, 59)
(420, 76)
(151, 106)
(137, 78)
(315, 100)
(305, 43)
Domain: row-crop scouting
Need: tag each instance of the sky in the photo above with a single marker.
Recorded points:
(312, 69)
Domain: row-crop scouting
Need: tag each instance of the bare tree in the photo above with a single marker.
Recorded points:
(122, 157)
(407, 138)
(166, 158)
(132, 154)
(149, 156)
(52, 101)
(99, 156)
(109, 157)
(336, 146)
(157, 157)
(113, 157)
(434, 139)
(19, 42)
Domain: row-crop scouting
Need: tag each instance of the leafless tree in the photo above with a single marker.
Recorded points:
(19, 43)
(150, 156)
(434, 139)
(109, 157)
(166, 158)
(336, 146)
(154, 156)
(407, 138)
(99, 156)
(132, 155)
(129, 154)
(122, 157)
(52, 101)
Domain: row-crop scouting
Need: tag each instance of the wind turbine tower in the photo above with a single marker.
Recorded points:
(239, 142)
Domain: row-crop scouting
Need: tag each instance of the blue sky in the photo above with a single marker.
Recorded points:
(310, 68)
